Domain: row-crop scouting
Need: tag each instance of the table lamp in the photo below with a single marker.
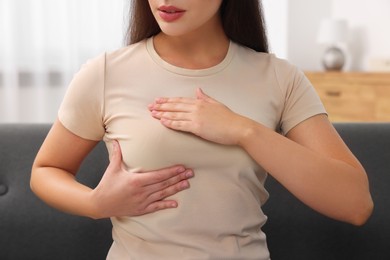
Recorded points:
(332, 33)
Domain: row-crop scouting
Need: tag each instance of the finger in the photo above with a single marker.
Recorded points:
(180, 180)
(172, 104)
(180, 125)
(173, 107)
(169, 191)
(201, 95)
(184, 100)
(116, 155)
(171, 115)
(160, 205)
(149, 178)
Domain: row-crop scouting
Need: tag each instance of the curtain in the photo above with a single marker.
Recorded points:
(43, 43)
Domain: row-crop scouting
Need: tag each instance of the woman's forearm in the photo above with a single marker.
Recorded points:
(332, 187)
(313, 162)
(119, 192)
(60, 189)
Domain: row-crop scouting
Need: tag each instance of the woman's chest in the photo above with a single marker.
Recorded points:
(146, 144)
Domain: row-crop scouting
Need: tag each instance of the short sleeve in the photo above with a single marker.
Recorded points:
(82, 108)
(301, 101)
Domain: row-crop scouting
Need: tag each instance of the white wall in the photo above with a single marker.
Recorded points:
(369, 22)
(369, 33)
(292, 27)
(304, 17)
(43, 43)
(276, 17)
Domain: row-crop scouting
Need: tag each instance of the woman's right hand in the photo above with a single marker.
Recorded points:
(124, 193)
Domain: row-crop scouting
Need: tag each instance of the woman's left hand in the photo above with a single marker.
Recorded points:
(202, 116)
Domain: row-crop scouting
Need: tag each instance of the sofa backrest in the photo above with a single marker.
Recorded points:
(29, 229)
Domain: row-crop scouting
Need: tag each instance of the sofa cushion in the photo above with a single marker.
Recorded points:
(294, 231)
(29, 229)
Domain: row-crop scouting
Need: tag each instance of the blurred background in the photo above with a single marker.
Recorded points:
(44, 42)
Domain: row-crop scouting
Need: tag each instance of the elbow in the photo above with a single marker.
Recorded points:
(32, 186)
(361, 215)
(32, 180)
(363, 206)
(36, 189)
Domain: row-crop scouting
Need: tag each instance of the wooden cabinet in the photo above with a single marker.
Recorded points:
(353, 96)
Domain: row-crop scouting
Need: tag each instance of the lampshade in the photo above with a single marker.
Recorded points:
(332, 31)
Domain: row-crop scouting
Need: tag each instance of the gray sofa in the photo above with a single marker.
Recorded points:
(31, 230)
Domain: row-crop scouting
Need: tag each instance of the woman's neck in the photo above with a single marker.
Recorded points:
(193, 50)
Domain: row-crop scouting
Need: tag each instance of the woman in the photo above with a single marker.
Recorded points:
(196, 89)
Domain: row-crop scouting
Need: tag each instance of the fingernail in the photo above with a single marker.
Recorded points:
(185, 185)
(115, 146)
(159, 100)
(189, 174)
(180, 169)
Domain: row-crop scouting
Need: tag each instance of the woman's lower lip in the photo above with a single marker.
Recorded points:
(170, 17)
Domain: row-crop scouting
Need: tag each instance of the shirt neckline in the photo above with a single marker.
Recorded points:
(190, 72)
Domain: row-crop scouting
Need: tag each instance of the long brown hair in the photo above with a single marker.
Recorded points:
(242, 20)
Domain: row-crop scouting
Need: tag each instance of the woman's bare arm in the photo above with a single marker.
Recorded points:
(119, 193)
(312, 162)
(316, 166)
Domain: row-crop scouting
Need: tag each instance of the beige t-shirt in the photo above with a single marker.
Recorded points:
(220, 216)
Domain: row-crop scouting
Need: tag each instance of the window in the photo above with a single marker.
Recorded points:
(43, 43)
